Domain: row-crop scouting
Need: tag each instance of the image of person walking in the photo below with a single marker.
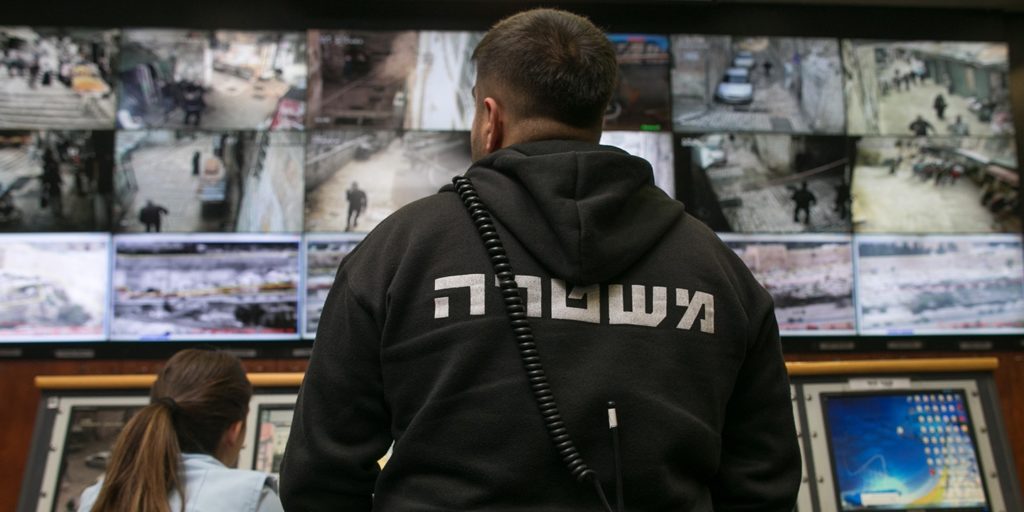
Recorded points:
(150, 215)
(803, 199)
(940, 106)
(920, 127)
(356, 205)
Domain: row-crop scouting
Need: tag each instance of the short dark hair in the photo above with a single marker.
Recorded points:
(556, 64)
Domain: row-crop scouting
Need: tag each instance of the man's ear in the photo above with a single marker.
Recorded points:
(236, 433)
(494, 126)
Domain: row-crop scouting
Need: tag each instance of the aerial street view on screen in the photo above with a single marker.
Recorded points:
(205, 286)
(53, 287)
(655, 147)
(765, 183)
(324, 253)
(940, 284)
(640, 102)
(57, 78)
(55, 180)
(356, 178)
(91, 434)
(360, 78)
(189, 181)
(212, 80)
(904, 451)
(936, 185)
(925, 88)
(764, 84)
(809, 277)
(441, 90)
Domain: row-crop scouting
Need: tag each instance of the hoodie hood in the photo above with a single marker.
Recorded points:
(586, 212)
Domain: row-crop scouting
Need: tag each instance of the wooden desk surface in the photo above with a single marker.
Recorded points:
(269, 380)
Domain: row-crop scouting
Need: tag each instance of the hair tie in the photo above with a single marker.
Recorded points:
(169, 403)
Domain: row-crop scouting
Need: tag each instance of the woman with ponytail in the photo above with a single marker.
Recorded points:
(177, 453)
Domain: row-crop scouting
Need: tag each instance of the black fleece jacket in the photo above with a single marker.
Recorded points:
(631, 300)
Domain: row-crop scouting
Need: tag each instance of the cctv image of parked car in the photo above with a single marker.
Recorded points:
(735, 87)
(756, 84)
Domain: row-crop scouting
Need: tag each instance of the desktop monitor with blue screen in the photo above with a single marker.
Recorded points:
(912, 450)
(906, 443)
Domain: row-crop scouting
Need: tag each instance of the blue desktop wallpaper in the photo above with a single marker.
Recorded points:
(904, 451)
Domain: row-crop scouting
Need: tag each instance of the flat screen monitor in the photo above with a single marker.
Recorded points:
(223, 80)
(907, 446)
(655, 147)
(756, 84)
(765, 183)
(256, 80)
(270, 421)
(925, 88)
(187, 181)
(440, 93)
(55, 180)
(58, 78)
(324, 253)
(641, 99)
(274, 423)
(360, 77)
(810, 277)
(356, 178)
(54, 287)
(205, 286)
(84, 432)
(903, 450)
(936, 185)
(938, 284)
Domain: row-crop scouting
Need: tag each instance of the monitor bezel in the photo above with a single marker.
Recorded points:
(803, 498)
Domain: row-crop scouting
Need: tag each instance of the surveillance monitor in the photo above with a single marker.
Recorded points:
(205, 286)
(915, 445)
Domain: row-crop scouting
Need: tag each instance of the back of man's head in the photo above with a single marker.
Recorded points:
(551, 64)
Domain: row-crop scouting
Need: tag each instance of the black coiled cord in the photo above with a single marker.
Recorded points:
(524, 339)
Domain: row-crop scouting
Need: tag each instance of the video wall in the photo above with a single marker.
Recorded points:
(160, 184)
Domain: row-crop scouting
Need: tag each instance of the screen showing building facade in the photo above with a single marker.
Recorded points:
(809, 277)
(205, 287)
(910, 285)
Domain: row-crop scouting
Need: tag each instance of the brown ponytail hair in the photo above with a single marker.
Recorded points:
(197, 395)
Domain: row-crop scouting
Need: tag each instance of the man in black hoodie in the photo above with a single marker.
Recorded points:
(631, 300)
